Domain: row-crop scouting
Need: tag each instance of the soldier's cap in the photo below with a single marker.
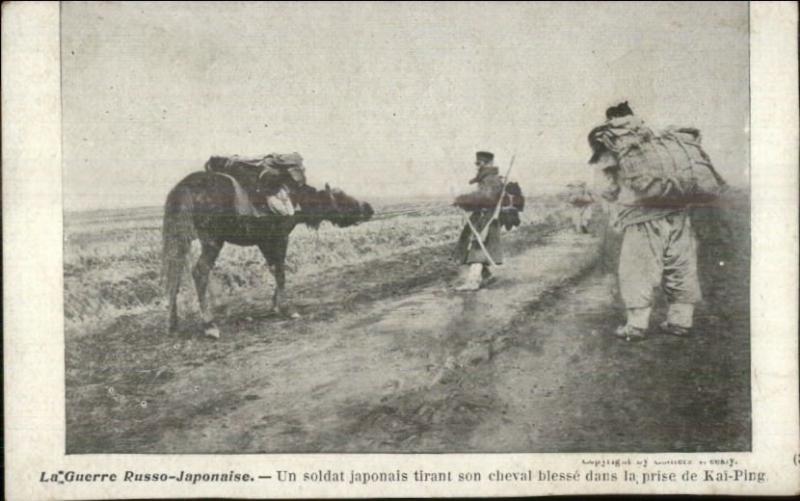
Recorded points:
(484, 156)
(620, 110)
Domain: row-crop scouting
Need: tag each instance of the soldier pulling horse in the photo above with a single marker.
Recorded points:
(208, 206)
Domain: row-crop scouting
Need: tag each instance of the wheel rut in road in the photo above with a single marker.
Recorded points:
(400, 374)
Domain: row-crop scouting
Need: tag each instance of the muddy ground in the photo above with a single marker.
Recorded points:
(388, 358)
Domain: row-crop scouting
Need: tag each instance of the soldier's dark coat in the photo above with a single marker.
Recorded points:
(481, 203)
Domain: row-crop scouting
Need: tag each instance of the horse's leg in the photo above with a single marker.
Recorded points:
(174, 272)
(275, 255)
(178, 231)
(200, 273)
(173, 307)
(279, 298)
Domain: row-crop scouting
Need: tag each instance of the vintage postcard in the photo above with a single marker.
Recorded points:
(344, 249)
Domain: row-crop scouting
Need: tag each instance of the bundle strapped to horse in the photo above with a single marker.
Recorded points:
(670, 166)
(272, 173)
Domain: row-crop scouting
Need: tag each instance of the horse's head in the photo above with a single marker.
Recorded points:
(345, 210)
(332, 205)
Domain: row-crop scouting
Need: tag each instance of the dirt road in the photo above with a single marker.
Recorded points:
(387, 358)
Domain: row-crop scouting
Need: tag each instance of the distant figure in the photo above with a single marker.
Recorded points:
(581, 201)
(481, 203)
(654, 179)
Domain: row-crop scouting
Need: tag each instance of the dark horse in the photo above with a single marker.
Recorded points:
(202, 206)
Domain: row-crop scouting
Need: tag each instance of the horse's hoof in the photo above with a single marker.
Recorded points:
(211, 331)
(286, 312)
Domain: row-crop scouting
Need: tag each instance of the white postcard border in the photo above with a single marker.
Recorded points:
(33, 311)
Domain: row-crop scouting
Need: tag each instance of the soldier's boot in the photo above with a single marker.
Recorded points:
(679, 320)
(630, 333)
(472, 281)
(636, 327)
(486, 276)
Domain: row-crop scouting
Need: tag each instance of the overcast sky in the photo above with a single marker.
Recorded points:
(386, 99)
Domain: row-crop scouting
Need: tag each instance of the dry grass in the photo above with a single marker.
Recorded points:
(112, 260)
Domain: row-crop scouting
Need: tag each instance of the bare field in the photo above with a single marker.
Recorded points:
(112, 259)
(386, 357)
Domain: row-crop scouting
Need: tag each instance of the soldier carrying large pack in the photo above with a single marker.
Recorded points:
(654, 179)
(495, 204)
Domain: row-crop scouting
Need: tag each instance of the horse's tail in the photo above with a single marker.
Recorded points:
(178, 233)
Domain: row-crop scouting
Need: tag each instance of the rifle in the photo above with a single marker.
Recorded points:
(481, 237)
(480, 242)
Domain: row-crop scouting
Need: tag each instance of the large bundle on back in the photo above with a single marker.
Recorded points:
(513, 203)
(668, 167)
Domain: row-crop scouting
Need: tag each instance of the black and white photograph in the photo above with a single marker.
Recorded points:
(300, 230)
(398, 229)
